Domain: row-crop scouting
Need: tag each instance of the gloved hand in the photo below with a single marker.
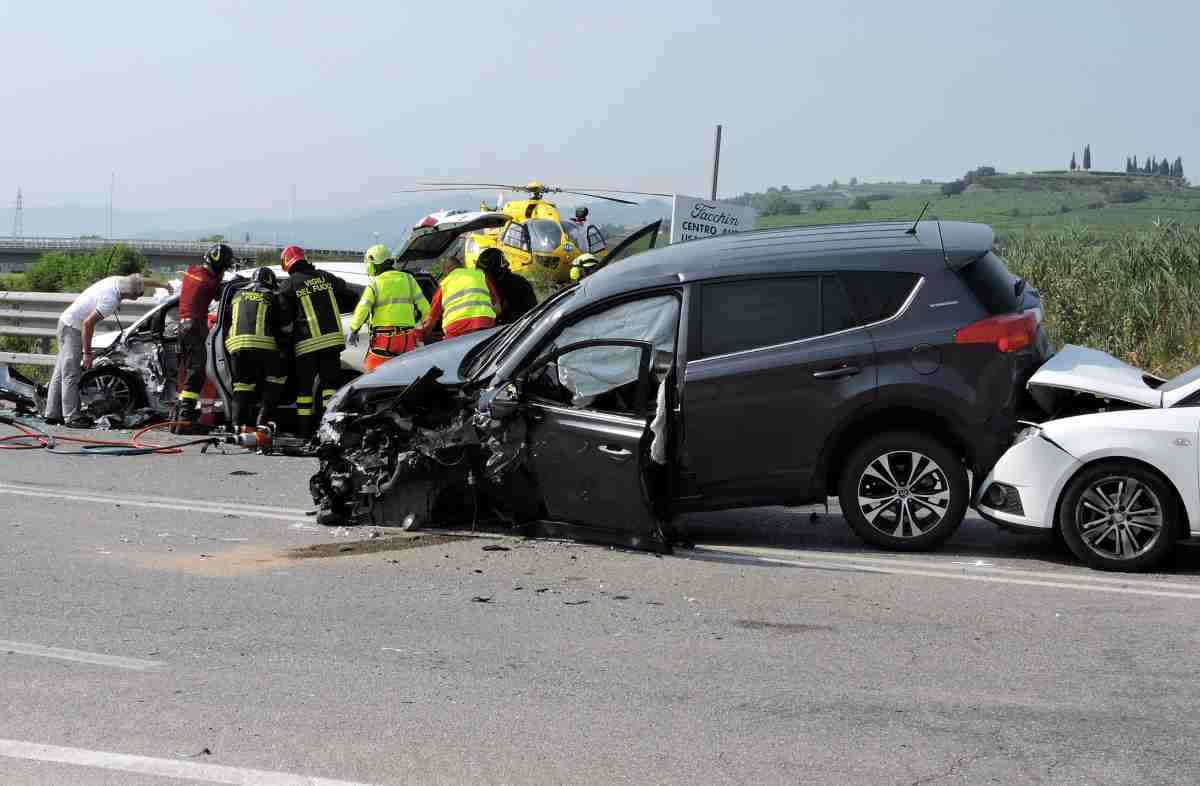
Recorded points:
(352, 338)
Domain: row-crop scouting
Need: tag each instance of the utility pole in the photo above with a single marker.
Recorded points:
(18, 216)
(716, 162)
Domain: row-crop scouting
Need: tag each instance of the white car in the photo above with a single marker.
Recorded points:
(1115, 470)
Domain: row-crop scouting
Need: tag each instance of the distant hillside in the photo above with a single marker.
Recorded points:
(1110, 202)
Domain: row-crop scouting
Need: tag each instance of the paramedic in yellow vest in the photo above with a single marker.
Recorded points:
(259, 375)
(465, 301)
(316, 300)
(393, 304)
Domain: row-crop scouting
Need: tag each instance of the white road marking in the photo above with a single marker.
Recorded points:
(78, 656)
(902, 567)
(162, 768)
(161, 503)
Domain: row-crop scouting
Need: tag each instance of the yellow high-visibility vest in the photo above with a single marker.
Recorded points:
(392, 299)
(465, 295)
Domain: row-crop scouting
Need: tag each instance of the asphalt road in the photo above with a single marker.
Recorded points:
(156, 627)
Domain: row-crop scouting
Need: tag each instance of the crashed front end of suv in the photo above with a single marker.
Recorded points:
(535, 424)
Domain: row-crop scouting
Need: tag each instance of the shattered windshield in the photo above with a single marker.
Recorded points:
(544, 234)
(485, 364)
(1184, 379)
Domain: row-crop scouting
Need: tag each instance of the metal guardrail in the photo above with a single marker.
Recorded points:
(35, 315)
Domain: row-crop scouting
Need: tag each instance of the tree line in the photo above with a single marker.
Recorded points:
(1152, 166)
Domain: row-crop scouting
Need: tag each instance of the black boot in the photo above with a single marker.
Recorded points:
(185, 418)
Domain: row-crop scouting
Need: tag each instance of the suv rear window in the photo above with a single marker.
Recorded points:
(747, 314)
(990, 281)
(877, 294)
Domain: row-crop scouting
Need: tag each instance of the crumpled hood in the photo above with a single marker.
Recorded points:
(1084, 370)
(404, 370)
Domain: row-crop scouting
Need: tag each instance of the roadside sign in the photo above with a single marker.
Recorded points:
(693, 218)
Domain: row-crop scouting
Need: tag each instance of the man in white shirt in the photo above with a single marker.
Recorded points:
(75, 327)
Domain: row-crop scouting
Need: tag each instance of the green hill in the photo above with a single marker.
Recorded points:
(1110, 203)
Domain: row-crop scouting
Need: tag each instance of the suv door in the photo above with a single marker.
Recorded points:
(591, 399)
(773, 364)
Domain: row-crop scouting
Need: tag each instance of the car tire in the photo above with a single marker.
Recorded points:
(1095, 518)
(904, 491)
(123, 389)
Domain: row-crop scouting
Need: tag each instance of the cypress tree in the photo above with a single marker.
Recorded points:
(1135, 165)
(1087, 156)
(1072, 160)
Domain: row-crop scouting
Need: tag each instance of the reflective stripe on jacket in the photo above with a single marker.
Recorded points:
(465, 295)
(250, 325)
(392, 299)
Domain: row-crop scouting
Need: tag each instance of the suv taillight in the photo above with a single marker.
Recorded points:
(1008, 333)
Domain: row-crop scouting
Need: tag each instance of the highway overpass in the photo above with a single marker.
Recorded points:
(18, 253)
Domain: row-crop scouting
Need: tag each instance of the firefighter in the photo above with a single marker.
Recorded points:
(314, 299)
(585, 265)
(393, 303)
(516, 293)
(201, 283)
(465, 301)
(257, 327)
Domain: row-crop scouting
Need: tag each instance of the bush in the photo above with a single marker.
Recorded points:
(1095, 205)
(860, 203)
(819, 204)
(61, 272)
(954, 187)
(1015, 212)
(1126, 197)
(1064, 209)
(1136, 296)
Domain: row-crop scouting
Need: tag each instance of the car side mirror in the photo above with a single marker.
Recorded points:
(506, 402)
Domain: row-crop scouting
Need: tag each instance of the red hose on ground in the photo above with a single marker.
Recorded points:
(30, 439)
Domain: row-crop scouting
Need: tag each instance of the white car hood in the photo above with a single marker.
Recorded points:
(1084, 370)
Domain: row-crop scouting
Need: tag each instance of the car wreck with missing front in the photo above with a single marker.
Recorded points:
(881, 363)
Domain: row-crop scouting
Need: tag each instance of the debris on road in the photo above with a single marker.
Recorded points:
(496, 547)
(482, 599)
(242, 473)
(371, 546)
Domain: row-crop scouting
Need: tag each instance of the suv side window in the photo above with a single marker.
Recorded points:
(761, 312)
(586, 378)
(876, 295)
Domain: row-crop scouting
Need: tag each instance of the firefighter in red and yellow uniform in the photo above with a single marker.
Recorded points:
(201, 283)
(316, 299)
(394, 303)
(257, 326)
(465, 301)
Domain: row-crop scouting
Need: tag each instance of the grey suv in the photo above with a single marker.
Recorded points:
(880, 363)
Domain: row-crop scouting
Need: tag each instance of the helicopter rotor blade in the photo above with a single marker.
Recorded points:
(616, 191)
(506, 187)
(596, 196)
(438, 190)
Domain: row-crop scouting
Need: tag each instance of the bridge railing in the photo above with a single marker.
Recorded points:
(35, 315)
(197, 247)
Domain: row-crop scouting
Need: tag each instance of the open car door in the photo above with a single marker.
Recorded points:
(590, 406)
(641, 240)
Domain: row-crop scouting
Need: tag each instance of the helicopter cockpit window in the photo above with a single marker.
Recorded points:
(516, 236)
(595, 240)
(544, 234)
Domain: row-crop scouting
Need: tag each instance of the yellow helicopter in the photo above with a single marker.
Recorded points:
(535, 235)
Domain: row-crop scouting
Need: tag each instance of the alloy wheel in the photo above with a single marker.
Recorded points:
(108, 387)
(1119, 517)
(903, 493)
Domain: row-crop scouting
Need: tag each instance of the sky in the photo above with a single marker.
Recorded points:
(207, 105)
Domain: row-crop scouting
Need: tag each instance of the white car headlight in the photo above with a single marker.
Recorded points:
(330, 429)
